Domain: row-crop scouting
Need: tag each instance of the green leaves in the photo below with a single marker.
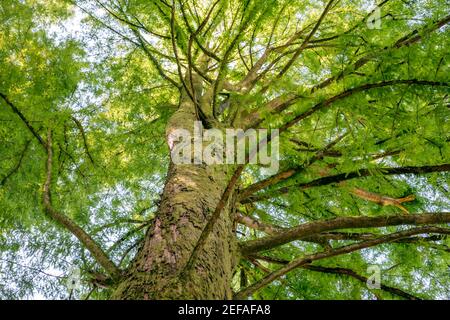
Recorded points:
(59, 63)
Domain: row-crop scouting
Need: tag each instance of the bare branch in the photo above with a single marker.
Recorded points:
(258, 225)
(383, 200)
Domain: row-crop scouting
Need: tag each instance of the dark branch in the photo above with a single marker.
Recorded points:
(327, 180)
(83, 135)
(317, 227)
(335, 252)
(358, 89)
(341, 271)
(281, 176)
(362, 279)
(409, 39)
(17, 166)
(306, 41)
(90, 244)
(24, 120)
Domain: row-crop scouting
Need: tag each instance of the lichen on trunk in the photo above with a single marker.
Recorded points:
(190, 196)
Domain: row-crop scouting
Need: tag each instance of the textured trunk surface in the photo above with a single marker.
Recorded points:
(189, 198)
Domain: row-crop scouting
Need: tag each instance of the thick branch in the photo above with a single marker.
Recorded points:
(271, 229)
(316, 227)
(90, 244)
(339, 251)
(327, 180)
(324, 237)
(214, 217)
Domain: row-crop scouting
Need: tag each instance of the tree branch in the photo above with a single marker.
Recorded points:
(252, 223)
(155, 61)
(17, 166)
(335, 252)
(348, 176)
(354, 90)
(257, 225)
(409, 39)
(306, 41)
(90, 244)
(341, 271)
(194, 34)
(281, 176)
(83, 135)
(24, 120)
(362, 279)
(316, 227)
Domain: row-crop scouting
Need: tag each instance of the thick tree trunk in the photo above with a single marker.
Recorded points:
(189, 198)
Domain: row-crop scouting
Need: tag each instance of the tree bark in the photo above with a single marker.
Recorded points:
(190, 196)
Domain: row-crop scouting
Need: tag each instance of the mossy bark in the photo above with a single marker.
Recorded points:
(189, 198)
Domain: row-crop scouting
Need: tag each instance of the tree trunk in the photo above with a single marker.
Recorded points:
(190, 196)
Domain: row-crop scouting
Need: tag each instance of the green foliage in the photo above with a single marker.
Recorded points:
(108, 105)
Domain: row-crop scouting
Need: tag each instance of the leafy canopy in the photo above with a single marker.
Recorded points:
(105, 76)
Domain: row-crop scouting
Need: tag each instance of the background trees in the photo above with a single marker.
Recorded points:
(363, 114)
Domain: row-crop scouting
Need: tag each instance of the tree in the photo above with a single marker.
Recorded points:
(91, 92)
